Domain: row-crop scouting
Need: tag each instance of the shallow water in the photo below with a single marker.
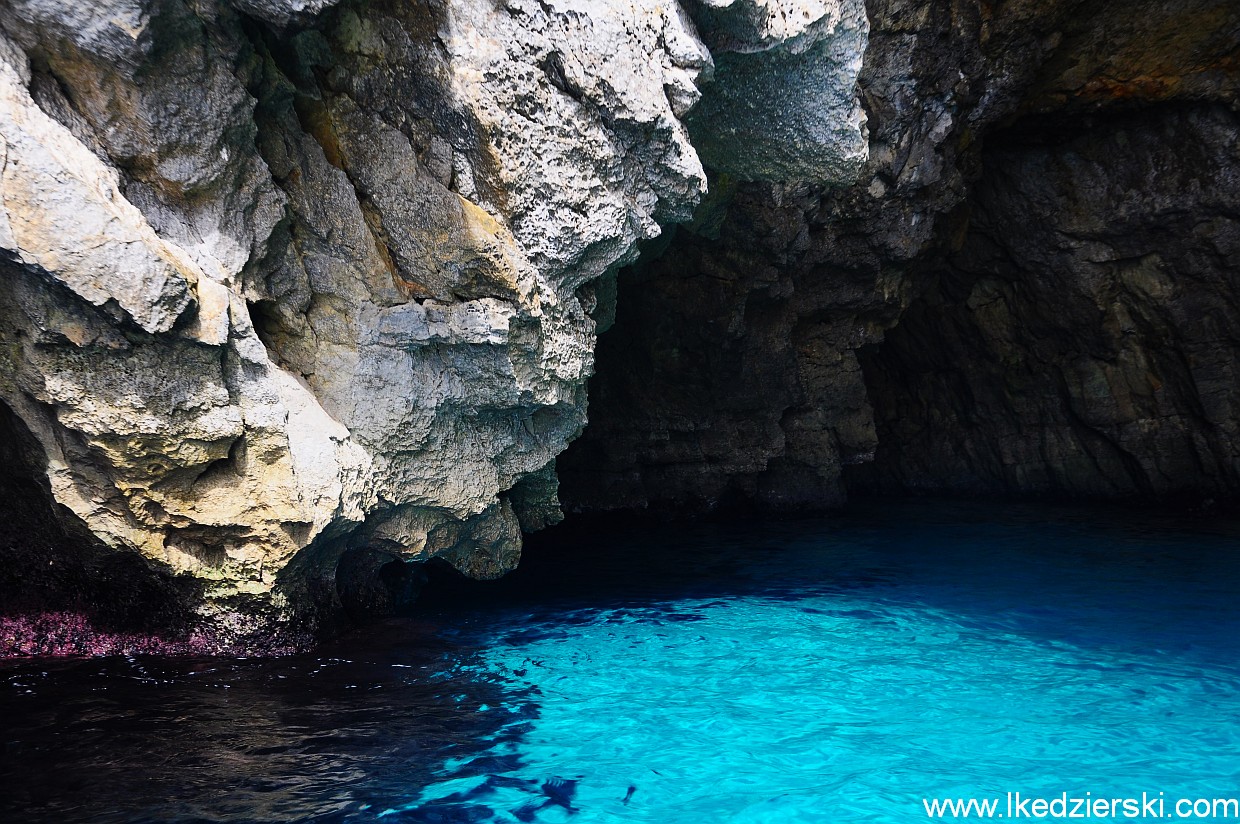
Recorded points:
(836, 670)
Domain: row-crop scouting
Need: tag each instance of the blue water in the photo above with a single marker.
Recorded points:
(836, 670)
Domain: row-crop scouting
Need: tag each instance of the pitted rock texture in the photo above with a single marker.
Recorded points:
(297, 292)
(1080, 341)
(798, 340)
(297, 289)
(782, 104)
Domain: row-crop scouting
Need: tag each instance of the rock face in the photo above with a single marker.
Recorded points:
(298, 292)
(782, 104)
(295, 292)
(1024, 290)
(1092, 303)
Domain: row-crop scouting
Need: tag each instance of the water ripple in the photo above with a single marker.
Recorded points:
(806, 671)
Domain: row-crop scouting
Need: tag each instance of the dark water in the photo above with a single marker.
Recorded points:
(806, 671)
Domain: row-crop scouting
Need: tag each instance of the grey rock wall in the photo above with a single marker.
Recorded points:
(801, 339)
(286, 279)
(1080, 341)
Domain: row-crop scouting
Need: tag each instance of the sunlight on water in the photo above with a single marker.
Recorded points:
(836, 670)
(964, 662)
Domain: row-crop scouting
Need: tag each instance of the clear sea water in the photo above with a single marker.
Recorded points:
(808, 671)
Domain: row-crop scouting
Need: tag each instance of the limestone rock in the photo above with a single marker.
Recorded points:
(298, 292)
(313, 280)
(782, 104)
(960, 317)
(282, 13)
(80, 232)
(1081, 332)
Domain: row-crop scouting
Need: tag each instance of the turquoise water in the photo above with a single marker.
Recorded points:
(813, 671)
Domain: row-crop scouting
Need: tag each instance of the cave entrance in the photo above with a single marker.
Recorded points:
(1076, 340)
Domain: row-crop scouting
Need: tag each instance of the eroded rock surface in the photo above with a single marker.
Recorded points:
(297, 292)
(293, 281)
(959, 314)
(782, 104)
(1093, 300)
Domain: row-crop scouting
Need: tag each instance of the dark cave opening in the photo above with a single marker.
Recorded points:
(1067, 333)
(1078, 338)
(373, 584)
(48, 566)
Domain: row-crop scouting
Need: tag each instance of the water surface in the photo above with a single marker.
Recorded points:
(829, 670)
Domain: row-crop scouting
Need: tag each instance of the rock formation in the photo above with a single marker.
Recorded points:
(289, 287)
(300, 293)
(1028, 289)
(1079, 340)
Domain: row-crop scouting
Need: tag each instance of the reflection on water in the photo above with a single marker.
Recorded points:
(277, 740)
(802, 671)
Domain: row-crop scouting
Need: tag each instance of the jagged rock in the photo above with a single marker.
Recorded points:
(306, 280)
(298, 293)
(80, 232)
(747, 363)
(283, 13)
(782, 104)
(1079, 341)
